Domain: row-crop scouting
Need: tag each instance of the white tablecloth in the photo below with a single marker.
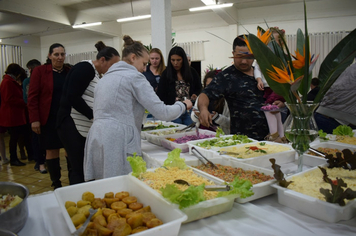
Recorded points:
(260, 217)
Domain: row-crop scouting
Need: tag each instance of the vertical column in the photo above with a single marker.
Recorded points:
(161, 26)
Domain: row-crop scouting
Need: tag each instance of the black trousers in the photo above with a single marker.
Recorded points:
(74, 144)
(15, 133)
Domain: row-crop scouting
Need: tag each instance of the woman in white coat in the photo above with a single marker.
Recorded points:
(120, 100)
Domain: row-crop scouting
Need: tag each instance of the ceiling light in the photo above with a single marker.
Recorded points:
(86, 25)
(211, 7)
(0, 40)
(133, 18)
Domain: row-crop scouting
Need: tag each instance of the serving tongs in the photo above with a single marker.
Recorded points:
(201, 157)
(81, 230)
(208, 187)
(185, 129)
(317, 152)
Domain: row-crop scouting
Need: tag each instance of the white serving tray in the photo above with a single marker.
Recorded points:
(260, 190)
(156, 123)
(314, 207)
(209, 152)
(156, 139)
(170, 145)
(263, 161)
(171, 217)
(202, 209)
(334, 145)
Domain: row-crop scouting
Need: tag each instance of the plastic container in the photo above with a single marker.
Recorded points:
(260, 190)
(202, 209)
(333, 145)
(263, 160)
(150, 162)
(155, 124)
(209, 152)
(171, 217)
(156, 139)
(314, 207)
(170, 145)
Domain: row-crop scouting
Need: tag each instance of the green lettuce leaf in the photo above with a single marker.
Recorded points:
(138, 165)
(241, 187)
(322, 134)
(191, 196)
(174, 159)
(343, 130)
(219, 132)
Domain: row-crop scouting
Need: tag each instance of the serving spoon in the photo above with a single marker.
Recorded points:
(208, 187)
(81, 230)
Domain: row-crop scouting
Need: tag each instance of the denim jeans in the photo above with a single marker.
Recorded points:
(327, 124)
(184, 119)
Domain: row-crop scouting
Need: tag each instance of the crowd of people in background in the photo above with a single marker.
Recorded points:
(94, 109)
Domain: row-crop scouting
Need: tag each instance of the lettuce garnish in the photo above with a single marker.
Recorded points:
(138, 165)
(322, 134)
(191, 196)
(219, 132)
(239, 186)
(343, 130)
(174, 159)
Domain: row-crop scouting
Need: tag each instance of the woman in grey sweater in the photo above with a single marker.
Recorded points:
(120, 99)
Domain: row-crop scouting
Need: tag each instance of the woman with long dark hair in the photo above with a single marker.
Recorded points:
(44, 96)
(75, 115)
(177, 82)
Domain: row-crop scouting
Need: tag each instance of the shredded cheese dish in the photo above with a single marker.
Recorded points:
(161, 176)
(254, 150)
(346, 139)
(310, 183)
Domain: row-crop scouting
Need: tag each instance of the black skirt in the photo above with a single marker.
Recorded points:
(49, 137)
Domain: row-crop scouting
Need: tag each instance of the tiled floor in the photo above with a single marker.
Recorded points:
(26, 175)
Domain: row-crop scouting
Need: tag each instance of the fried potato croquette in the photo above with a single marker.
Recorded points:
(147, 216)
(82, 203)
(135, 206)
(118, 205)
(109, 195)
(103, 231)
(88, 196)
(85, 210)
(122, 195)
(69, 204)
(101, 220)
(145, 209)
(113, 216)
(72, 210)
(98, 203)
(110, 201)
(124, 212)
(78, 219)
(119, 222)
(122, 231)
(139, 229)
(135, 220)
(129, 200)
(107, 212)
(154, 223)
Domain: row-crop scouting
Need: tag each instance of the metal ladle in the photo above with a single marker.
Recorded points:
(207, 188)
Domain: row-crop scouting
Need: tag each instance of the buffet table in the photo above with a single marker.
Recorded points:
(264, 216)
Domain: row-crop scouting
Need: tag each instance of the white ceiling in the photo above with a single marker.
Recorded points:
(48, 17)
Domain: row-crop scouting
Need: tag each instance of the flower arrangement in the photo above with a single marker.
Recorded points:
(210, 67)
(291, 78)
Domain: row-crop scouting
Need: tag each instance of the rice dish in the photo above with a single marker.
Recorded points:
(310, 182)
(161, 176)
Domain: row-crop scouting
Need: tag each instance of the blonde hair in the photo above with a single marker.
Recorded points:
(161, 66)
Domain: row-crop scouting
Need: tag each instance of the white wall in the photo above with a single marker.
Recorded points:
(76, 42)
